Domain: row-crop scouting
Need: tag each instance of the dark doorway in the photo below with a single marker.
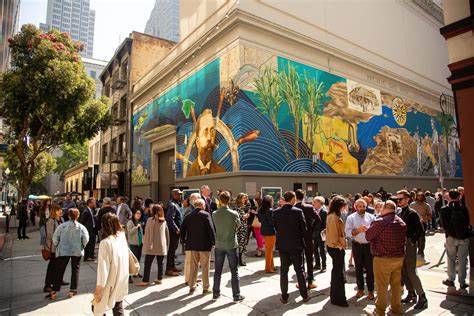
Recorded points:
(165, 174)
(297, 186)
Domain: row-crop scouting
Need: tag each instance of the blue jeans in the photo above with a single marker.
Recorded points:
(460, 248)
(232, 257)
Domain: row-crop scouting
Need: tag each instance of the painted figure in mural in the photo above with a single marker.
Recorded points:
(205, 144)
(418, 152)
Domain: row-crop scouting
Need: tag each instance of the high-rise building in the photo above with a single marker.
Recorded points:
(74, 17)
(164, 20)
(9, 13)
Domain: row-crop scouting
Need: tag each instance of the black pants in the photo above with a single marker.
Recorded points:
(319, 251)
(338, 291)
(50, 271)
(308, 253)
(7, 223)
(22, 228)
(148, 261)
(137, 251)
(90, 247)
(363, 261)
(174, 242)
(286, 259)
(60, 264)
(422, 240)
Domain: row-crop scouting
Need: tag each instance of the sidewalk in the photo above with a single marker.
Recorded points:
(23, 277)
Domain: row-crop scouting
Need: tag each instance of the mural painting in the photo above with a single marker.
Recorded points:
(251, 110)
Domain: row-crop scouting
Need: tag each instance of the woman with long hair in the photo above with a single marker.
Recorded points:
(243, 209)
(135, 235)
(155, 243)
(336, 245)
(112, 267)
(51, 224)
(265, 215)
(69, 241)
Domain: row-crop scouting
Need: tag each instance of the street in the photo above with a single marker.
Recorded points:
(23, 272)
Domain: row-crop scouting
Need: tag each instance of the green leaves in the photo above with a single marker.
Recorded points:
(71, 156)
(47, 97)
(188, 105)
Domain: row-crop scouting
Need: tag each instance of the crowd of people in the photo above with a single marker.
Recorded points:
(385, 232)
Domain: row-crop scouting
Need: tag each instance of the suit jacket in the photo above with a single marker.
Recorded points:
(173, 216)
(290, 227)
(87, 219)
(311, 217)
(197, 232)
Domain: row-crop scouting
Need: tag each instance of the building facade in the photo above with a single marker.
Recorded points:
(74, 17)
(164, 20)
(74, 178)
(94, 68)
(258, 94)
(135, 56)
(10, 13)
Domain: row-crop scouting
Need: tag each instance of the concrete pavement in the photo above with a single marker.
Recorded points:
(23, 276)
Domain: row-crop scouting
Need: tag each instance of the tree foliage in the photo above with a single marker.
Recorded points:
(47, 98)
(71, 156)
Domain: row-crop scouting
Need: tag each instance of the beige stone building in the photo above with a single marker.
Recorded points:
(132, 59)
(354, 105)
(74, 178)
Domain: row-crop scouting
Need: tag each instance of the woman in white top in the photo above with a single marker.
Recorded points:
(112, 268)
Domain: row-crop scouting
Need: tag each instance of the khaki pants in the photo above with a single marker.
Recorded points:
(187, 265)
(388, 271)
(199, 258)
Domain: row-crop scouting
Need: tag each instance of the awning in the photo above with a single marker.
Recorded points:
(106, 180)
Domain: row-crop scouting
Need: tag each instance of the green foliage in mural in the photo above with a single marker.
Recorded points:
(313, 95)
(292, 95)
(188, 107)
(447, 123)
(267, 89)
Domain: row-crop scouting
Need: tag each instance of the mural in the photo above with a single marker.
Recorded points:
(250, 110)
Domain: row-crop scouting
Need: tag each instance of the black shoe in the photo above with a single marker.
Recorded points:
(306, 299)
(283, 301)
(317, 267)
(411, 297)
(464, 286)
(215, 296)
(26, 237)
(422, 303)
(341, 304)
(239, 298)
(448, 282)
(64, 283)
(47, 289)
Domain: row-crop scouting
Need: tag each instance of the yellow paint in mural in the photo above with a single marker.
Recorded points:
(330, 138)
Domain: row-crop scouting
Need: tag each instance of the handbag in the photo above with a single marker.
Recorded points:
(133, 264)
(45, 253)
(256, 223)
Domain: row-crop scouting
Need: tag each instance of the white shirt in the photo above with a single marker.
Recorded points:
(354, 221)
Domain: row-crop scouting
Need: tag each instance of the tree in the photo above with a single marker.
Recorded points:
(291, 92)
(46, 98)
(72, 155)
(313, 95)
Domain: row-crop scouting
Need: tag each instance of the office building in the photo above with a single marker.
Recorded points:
(74, 17)
(164, 20)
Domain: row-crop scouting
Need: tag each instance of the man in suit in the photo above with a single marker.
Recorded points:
(197, 234)
(290, 229)
(312, 221)
(319, 246)
(88, 220)
(174, 220)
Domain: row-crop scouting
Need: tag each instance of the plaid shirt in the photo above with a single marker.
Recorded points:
(387, 236)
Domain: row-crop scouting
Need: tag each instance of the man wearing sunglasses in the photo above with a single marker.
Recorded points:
(414, 233)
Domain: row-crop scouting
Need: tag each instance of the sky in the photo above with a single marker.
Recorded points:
(114, 20)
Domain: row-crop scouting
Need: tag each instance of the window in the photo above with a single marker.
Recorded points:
(121, 144)
(123, 108)
(114, 145)
(105, 153)
(93, 74)
(114, 111)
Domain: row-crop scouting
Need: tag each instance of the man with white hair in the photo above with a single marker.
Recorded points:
(197, 234)
(356, 225)
(206, 196)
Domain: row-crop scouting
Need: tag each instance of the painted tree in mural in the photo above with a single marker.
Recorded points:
(292, 95)
(447, 123)
(313, 95)
(268, 91)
